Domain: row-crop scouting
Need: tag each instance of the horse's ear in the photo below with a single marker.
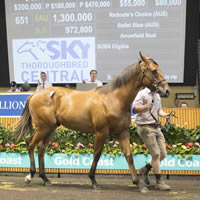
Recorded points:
(143, 58)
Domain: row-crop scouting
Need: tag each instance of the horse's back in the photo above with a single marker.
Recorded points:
(84, 111)
(65, 106)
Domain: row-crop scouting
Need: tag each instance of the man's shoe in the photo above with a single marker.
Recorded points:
(144, 172)
(161, 185)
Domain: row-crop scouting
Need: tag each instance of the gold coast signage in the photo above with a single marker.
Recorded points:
(84, 161)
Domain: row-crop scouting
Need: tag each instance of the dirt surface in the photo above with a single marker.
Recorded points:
(77, 187)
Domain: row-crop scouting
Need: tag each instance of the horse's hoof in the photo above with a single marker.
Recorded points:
(144, 190)
(47, 184)
(142, 187)
(96, 187)
(27, 180)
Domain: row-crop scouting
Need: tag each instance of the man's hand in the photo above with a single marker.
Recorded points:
(149, 105)
(164, 114)
(38, 83)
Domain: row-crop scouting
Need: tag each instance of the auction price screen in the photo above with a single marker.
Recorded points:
(68, 38)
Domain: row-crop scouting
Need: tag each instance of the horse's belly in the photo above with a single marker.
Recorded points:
(82, 126)
(118, 126)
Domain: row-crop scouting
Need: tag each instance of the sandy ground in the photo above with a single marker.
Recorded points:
(78, 187)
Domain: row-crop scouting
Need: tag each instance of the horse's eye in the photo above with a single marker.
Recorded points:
(154, 72)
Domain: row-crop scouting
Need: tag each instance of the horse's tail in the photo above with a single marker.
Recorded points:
(24, 125)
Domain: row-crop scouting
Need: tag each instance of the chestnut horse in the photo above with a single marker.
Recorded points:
(104, 111)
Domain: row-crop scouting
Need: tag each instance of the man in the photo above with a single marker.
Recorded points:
(25, 87)
(176, 103)
(13, 87)
(44, 83)
(147, 106)
(93, 78)
(184, 105)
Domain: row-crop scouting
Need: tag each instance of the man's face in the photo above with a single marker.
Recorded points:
(177, 102)
(93, 75)
(13, 88)
(184, 105)
(43, 77)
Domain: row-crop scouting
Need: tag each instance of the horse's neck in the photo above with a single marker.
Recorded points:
(128, 92)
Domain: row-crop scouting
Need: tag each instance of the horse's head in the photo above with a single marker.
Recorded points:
(152, 76)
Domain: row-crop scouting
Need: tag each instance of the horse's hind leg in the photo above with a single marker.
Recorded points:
(31, 145)
(36, 138)
(41, 150)
(99, 141)
(124, 140)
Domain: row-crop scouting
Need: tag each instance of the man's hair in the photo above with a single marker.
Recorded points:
(93, 70)
(42, 73)
(13, 84)
(183, 102)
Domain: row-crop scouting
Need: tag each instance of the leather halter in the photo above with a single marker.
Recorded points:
(154, 81)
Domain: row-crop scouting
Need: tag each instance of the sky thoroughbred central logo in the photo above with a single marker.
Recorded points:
(65, 60)
(54, 49)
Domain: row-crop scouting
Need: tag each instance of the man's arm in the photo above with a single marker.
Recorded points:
(38, 88)
(137, 109)
(161, 113)
(50, 84)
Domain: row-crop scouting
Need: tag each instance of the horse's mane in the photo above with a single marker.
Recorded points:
(120, 80)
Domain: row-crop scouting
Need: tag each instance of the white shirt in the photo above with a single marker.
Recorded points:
(17, 90)
(99, 83)
(143, 97)
(43, 85)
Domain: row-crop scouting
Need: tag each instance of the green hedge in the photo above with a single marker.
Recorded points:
(179, 140)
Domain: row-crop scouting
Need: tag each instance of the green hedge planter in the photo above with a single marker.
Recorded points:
(179, 141)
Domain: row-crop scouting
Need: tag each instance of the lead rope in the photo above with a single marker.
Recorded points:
(157, 122)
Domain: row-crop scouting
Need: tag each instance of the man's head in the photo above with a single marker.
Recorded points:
(43, 76)
(25, 87)
(176, 102)
(183, 105)
(93, 75)
(13, 86)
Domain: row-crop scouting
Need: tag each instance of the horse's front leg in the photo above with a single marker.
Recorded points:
(124, 141)
(99, 142)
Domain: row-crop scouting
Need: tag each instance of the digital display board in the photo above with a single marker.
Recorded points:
(68, 38)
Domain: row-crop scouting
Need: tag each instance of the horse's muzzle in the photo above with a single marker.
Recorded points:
(163, 93)
(166, 93)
